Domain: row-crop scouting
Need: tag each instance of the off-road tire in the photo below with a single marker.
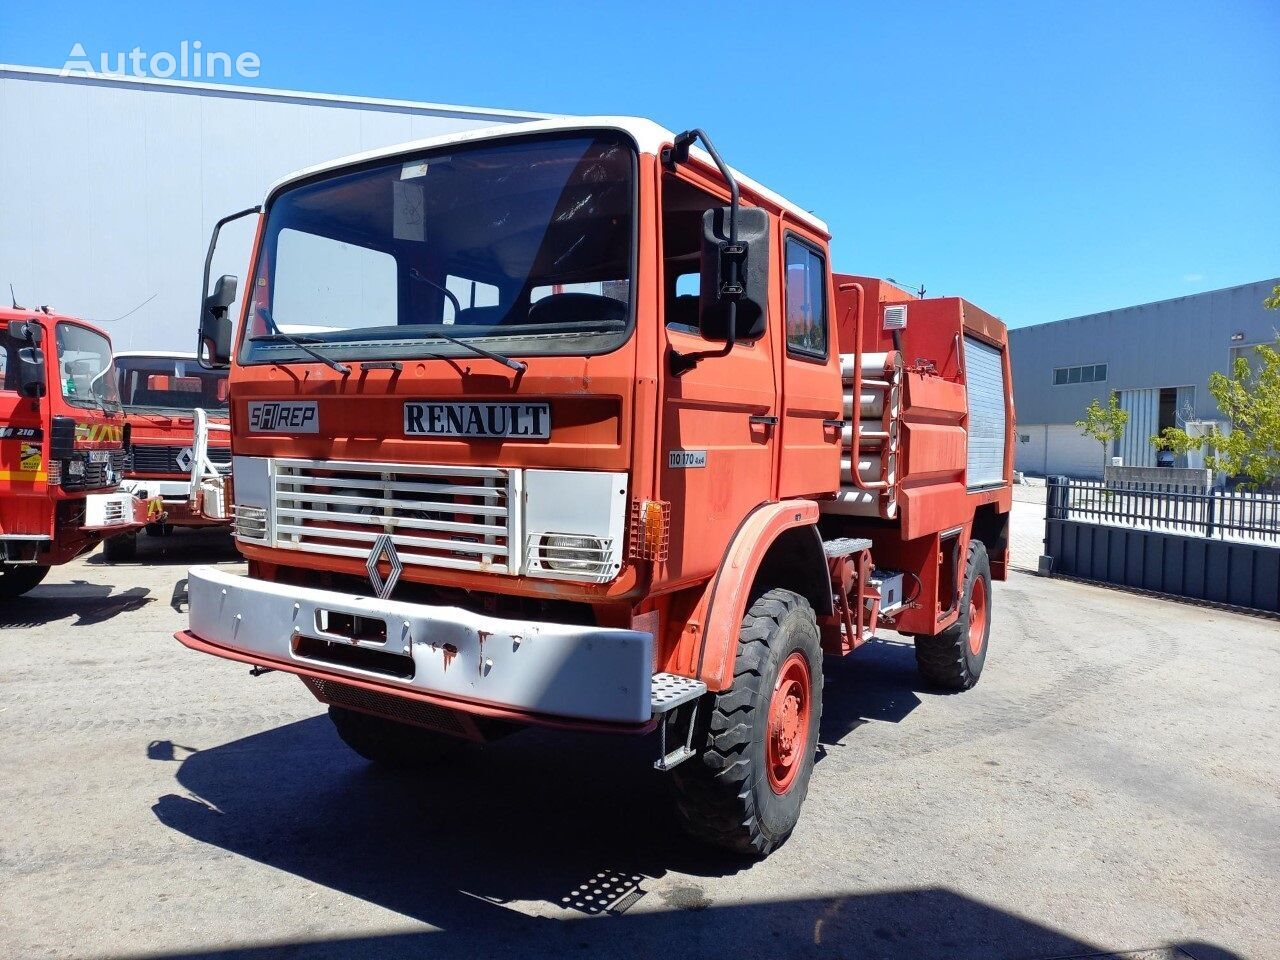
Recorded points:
(17, 579)
(120, 549)
(395, 746)
(723, 794)
(948, 660)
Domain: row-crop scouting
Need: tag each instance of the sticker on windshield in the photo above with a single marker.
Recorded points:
(530, 421)
(288, 416)
(686, 459)
(408, 220)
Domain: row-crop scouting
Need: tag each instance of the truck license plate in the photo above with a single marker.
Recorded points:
(99, 456)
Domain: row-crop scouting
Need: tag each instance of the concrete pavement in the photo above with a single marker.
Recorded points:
(1110, 785)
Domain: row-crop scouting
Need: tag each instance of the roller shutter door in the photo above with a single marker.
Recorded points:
(985, 383)
(1143, 407)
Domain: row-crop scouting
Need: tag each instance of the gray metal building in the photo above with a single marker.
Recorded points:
(109, 186)
(1157, 357)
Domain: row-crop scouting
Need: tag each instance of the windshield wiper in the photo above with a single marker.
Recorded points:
(519, 366)
(290, 339)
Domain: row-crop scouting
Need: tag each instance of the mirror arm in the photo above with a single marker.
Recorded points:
(213, 244)
(677, 153)
(208, 261)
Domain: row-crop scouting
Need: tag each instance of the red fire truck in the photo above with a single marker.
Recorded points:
(62, 446)
(567, 423)
(161, 392)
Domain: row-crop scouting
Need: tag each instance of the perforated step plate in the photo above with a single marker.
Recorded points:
(669, 691)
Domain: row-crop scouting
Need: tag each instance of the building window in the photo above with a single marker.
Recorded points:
(1089, 373)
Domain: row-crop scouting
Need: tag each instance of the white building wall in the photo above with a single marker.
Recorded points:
(109, 187)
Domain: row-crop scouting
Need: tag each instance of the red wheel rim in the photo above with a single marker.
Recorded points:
(977, 616)
(788, 733)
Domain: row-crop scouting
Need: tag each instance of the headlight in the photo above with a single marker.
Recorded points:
(573, 554)
(575, 524)
(75, 468)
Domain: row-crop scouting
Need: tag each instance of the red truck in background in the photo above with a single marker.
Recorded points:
(565, 423)
(62, 446)
(161, 392)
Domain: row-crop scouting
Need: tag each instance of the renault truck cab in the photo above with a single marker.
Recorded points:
(161, 392)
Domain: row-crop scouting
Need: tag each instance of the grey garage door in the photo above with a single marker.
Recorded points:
(985, 381)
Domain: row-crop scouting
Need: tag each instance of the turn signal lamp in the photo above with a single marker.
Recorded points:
(650, 530)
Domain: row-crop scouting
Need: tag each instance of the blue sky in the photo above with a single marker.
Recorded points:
(1044, 159)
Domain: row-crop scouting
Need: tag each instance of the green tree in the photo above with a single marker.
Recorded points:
(1104, 424)
(1249, 398)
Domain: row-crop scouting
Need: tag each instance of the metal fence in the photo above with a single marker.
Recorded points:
(1211, 545)
(1247, 515)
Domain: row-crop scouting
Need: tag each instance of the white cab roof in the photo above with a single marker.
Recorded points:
(649, 137)
(158, 354)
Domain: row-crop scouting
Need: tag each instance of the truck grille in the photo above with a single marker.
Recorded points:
(161, 458)
(459, 518)
(95, 475)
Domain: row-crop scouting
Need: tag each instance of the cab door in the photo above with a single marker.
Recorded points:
(812, 399)
(719, 420)
(23, 440)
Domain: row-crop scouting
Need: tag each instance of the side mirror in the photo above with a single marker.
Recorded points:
(31, 333)
(214, 349)
(734, 273)
(31, 382)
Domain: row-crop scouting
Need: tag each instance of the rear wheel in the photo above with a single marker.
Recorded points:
(17, 580)
(954, 658)
(744, 789)
(121, 548)
(396, 746)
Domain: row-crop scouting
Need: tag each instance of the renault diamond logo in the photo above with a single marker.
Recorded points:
(383, 549)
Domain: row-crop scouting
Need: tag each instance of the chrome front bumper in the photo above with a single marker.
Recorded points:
(527, 666)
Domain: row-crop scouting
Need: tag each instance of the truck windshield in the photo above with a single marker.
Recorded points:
(85, 371)
(524, 246)
(170, 385)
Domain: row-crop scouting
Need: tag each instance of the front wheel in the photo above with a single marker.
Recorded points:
(954, 658)
(17, 580)
(744, 789)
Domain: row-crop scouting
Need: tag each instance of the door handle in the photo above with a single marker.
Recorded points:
(766, 421)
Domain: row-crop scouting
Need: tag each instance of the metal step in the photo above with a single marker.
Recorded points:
(843, 546)
(671, 690)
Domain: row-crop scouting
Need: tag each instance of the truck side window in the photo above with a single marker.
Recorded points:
(470, 294)
(682, 207)
(806, 300)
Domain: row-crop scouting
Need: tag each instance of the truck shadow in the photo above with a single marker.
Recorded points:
(180, 548)
(564, 827)
(879, 681)
(84, 604)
